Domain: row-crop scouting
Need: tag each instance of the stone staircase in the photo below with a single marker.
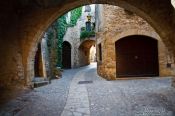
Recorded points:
(39, 81)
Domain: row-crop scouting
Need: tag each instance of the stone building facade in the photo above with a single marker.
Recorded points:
(73, 48)
(114, 23)
(80, 49)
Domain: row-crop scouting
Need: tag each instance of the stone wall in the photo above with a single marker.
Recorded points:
(45, 56)
(23, 22)
(42, 60)
(72, 36)
(79, 55)
(116, 23)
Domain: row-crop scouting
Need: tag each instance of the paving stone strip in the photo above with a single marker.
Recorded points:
(77, 102)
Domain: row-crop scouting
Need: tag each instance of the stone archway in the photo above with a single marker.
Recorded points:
(66, 55)
(142, 10)
(137, 56)
(32, 18)
(84, 51)
(163, 52)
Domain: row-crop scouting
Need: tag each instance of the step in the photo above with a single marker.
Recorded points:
(39, 81)
(39, 84)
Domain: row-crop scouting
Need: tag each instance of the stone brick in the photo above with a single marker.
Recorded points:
(23, 23)
(118, 23)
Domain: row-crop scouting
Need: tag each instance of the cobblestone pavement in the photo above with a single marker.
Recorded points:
(145, 97)
(68, 97)
(48, 100)
(77, 102)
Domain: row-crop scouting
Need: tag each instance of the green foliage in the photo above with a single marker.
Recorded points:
(59, 29)
(87, 34)
(75, 15)
(50, 35)
(83, 28)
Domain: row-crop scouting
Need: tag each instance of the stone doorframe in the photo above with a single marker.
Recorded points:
(162, 49)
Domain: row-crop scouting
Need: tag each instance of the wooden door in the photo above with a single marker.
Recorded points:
(66, 55)
(137, 56)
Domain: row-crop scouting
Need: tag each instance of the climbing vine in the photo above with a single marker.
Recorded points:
(87, 34)
(60, 28)
(75, 15)
(50, 36)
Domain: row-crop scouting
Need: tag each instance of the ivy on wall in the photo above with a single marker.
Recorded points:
(87, 34)
(61, 28)
(58, 30)
(52, 50)
(75, 15)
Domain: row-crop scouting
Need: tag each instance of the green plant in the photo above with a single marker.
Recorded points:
(75, 15)
(49, 40)
(59, 29)
(87, 34)
(83, 28)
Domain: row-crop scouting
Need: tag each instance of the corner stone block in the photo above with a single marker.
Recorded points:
(173, 82)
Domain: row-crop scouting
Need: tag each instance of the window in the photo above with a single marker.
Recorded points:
(100, 52)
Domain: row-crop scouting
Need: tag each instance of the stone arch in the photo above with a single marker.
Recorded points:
(87, 43)
(84, 51)
(151, 34)
(67, 42)
(42, 18)
(163, 52)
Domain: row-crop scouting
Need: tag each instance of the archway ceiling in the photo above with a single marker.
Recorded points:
(87, 44)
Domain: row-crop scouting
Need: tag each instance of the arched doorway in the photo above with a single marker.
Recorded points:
(85, 51)
(38, 64)
(66, 55)
(136, 56)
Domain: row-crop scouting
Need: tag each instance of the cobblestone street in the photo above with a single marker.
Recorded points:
(81, 92)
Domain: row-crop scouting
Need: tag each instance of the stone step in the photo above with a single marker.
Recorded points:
(40, 81)
(39, 84)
